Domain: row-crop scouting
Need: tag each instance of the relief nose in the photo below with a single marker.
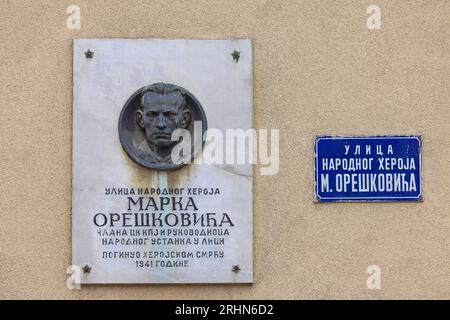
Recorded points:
(161, 124)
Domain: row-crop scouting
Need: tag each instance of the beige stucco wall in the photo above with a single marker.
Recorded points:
(317, 70)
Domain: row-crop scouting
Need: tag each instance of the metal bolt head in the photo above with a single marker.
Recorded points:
(236, 269)
(89, 54)
(86, 269)
(236, 55)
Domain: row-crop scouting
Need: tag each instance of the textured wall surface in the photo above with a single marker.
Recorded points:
(317, 70)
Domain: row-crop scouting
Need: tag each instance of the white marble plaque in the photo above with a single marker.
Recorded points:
(135, 224)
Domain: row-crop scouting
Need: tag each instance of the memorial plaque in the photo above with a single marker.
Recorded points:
(145, 210)
(368, 168)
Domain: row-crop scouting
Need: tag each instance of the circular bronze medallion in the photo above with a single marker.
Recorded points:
(148, 119)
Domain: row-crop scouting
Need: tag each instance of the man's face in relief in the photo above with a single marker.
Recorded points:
(161, 115)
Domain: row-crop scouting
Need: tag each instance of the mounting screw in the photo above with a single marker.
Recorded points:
(236, 269)
(89, 54)
(86, 269)
(236, 55)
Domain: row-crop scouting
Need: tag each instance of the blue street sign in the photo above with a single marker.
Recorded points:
(368, 168)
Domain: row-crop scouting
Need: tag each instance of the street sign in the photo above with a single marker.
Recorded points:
(368, 168)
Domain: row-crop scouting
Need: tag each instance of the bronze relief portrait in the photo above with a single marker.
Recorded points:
(148, 119)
